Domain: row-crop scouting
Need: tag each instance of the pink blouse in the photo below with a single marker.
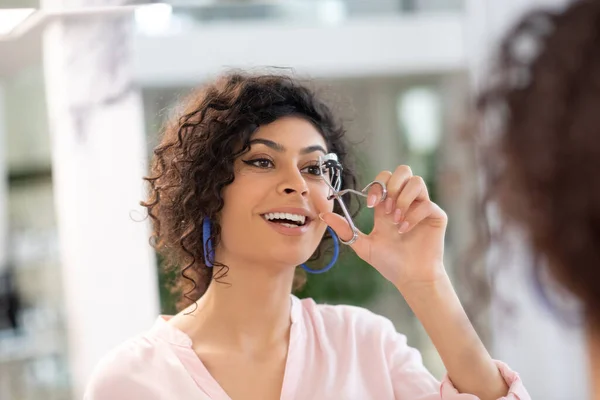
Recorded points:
(340, 352)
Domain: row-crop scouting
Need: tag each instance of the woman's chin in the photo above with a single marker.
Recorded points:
(290, 260)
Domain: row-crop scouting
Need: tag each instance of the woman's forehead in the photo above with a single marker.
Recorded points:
(291, 133)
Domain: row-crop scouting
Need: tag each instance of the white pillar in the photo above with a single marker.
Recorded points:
(98, 160)
(3, 185)
(549, 355)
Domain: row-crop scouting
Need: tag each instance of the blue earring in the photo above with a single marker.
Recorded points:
(208, 248)
(336, 253)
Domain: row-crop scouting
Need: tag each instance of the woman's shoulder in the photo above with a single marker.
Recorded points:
(140, 367)
(118, 369)
(132, 351)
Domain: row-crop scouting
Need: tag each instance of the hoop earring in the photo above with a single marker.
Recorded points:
(336, 253)
(208, 247)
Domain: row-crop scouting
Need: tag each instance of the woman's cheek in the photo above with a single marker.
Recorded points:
(320, 199)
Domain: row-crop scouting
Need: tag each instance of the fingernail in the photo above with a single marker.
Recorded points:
(389, 205)
(403, 227)
(397, 216)
(321, 217)
(371, 201)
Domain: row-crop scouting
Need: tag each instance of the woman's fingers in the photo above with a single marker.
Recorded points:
(419, 212)
(405, 193)
(415, 190)
(396, 184)
(375, 192)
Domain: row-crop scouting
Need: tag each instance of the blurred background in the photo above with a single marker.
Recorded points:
(84, 88)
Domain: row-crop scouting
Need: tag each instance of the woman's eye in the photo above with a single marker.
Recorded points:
(260, 163)
(312, 170)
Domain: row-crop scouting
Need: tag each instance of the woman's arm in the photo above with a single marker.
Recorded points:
(469, 365)
(406, 246)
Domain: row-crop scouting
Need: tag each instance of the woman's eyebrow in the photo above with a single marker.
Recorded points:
(281, 149)
(314, 148)
(269, 143)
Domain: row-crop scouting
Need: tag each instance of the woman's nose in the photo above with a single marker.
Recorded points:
(293, 182)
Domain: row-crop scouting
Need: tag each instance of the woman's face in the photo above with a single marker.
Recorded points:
(271, 209)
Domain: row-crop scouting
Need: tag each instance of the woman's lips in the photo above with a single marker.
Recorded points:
(289, 231)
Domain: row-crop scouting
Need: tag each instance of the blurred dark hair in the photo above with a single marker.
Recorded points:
(194, 163)
(541, 143)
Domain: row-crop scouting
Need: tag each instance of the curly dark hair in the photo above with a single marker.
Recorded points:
(194, 161)
(541, 146)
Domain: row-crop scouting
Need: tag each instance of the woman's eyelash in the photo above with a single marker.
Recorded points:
(259, 162)
(264, 163)
(313, 169)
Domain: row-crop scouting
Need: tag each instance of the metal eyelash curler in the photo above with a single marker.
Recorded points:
(331, 173)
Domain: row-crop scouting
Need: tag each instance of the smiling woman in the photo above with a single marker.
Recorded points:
(239, 199)
(234, 126)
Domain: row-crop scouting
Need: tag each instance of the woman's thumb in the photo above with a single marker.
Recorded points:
(338, 224)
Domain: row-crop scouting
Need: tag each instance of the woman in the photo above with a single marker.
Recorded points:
(543, 159)
(238, 200)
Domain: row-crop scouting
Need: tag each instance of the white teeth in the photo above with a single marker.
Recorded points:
(291, 217)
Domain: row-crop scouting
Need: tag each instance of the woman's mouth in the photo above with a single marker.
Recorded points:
(286, 219)
(289, 221)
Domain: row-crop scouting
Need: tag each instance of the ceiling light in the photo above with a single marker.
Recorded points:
(420, 116)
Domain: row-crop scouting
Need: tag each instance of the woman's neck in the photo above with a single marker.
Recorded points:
(248, 309)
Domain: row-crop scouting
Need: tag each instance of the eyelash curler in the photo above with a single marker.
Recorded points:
(331, 173)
